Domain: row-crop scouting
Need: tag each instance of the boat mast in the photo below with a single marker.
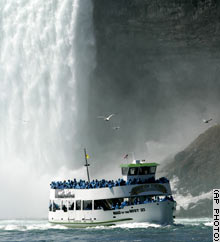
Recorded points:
(87, 165)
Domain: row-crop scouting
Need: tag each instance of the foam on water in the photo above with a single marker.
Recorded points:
(35, 230)
(185, 200)
(209, 224)
(25, 225)
(194, 221)
(137, 225)
(183, 221)
(129, 226)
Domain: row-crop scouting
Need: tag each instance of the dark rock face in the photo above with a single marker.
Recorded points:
(157, 66)
(198, 169)
(182, 20)
(198, 166)
(157, 63)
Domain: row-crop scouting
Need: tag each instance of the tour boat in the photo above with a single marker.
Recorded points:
(136, 197)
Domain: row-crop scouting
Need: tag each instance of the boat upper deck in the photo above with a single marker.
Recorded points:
(82, 184)
(138, 178)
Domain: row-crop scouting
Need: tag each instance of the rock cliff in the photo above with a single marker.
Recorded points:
(198, 171)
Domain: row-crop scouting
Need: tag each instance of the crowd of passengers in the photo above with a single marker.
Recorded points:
(82, 184)
(137, 201)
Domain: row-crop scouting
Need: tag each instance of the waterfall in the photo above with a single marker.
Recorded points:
(42, 47)
(38, 79)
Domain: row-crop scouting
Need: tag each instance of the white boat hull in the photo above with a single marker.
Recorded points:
(154, 212)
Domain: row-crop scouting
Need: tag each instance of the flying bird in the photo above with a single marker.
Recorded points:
(206, 121)
(116, 128)
(106, 118)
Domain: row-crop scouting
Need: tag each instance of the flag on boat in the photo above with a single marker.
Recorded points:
(87, 156)
(126, 156)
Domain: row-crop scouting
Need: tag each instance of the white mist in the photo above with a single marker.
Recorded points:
(39, 57)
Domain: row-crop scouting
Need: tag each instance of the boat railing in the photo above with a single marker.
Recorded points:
(82, 184)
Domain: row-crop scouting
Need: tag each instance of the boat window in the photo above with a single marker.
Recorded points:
(124, 170)
(56, 205)
(71, 205)
(97, 204)
(78, 205)
(120, 203)
(133, 171)
(102, 204)
(64, 207)
(152, 169)
(87, 205)
(143, 170)
(50, 206)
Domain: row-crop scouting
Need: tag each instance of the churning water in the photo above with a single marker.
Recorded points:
(184, 230)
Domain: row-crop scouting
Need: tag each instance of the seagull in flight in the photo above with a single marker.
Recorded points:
(206, 121)
(107, 118)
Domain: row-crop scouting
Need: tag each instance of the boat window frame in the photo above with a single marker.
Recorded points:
(50, 206)
(78, 205)
(64, 206)
(152, 168)
(84, 204)
(124, 171)
(133, 168)
(70, 204)
(56, 204)
(144, 168)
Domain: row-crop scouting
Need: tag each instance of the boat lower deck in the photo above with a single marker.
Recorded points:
(157, 212)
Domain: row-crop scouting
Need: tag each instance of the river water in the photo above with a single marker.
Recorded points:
(184, 230)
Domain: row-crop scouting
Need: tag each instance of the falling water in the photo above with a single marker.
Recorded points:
(41, 48)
